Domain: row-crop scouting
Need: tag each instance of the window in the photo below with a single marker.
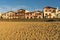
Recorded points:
(30, 13)
(46, 14)
(49, 10)
(49, 14)
(39, 14)
(27, 17)
(27, 14)
(53, 10)
(12, 15)
(53, 16)
(31, 17)
(35, 16)
(39, 17)
(18, 12)
(45, 10)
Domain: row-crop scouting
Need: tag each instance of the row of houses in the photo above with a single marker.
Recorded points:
(21, 13)
(48, 12)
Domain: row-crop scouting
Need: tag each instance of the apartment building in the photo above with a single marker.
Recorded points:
(58, 15)
(28, 14)
(21, 13)
(9, 15)
(37, 14)
(50, 12)
(0, 15)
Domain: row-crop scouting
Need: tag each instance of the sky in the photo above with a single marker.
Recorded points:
(31, 5)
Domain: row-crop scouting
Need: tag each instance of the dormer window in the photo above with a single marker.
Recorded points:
(53, 10)
(39, 14)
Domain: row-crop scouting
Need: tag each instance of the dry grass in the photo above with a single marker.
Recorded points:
(29, 31)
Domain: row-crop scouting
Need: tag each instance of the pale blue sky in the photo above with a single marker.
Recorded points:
(8, 5)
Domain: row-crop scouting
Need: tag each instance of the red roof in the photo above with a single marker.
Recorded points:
(50, 7)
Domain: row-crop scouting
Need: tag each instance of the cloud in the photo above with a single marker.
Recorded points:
(5, 8)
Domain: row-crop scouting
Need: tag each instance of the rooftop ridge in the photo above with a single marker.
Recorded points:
(50, 7)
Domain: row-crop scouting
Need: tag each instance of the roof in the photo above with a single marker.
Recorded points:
(9, 11)
(50, 7)
(38, 11)
(26, 11)
(21, 9)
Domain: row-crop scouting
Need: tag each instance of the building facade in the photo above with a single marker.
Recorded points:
(9, 15)
(28, 14)
(58, 15)
(37, 14)
(0, 15)
(21, 13)
(50, 12)
(33, 15)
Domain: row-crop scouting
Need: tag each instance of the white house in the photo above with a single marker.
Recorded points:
(58, 14)
(37, 14)
(50, 12)
(9, 15)
(0, 14)
(28, 14)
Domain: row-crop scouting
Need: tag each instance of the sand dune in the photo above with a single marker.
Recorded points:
(29, 31)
